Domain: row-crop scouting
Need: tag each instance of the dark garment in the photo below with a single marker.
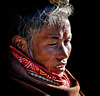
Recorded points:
(18, 83)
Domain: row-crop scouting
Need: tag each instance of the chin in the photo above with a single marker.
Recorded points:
(56, 71)
(61, 74)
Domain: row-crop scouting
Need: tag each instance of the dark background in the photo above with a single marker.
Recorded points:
(84, 59)
(80, 61)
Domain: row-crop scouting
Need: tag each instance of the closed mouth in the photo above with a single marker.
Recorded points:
(60, 67)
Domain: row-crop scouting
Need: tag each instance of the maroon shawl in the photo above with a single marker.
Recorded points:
(20, 83)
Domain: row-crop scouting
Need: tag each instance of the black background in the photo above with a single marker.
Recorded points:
(84, 57)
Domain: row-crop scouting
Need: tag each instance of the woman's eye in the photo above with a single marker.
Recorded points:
(66, 42)
(52, 44)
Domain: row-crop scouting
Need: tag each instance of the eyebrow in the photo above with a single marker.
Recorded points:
(53, 37)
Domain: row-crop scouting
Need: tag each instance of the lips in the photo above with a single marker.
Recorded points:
(60, 67)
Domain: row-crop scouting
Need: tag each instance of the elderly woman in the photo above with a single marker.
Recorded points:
(39, 50)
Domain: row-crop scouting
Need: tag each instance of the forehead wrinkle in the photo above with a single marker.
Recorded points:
(57, 36)
(59, 31)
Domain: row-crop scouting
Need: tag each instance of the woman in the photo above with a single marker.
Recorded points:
(39, 50)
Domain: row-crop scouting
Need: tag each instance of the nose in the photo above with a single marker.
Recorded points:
(63, 52)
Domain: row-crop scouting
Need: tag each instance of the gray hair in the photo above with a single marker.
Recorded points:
(32, 25)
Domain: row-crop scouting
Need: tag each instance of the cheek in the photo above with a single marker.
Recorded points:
(43, 55)
(47, 54)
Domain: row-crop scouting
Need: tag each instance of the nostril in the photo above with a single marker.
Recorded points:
(64, 55)
(64, 60)
(61, 60)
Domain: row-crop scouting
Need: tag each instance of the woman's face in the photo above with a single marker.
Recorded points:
(52, 47)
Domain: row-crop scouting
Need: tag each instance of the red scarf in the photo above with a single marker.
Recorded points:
(38, 71)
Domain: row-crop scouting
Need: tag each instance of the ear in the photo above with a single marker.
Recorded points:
(20, 43)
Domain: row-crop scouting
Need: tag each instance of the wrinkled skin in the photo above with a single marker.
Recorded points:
(51, 47)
